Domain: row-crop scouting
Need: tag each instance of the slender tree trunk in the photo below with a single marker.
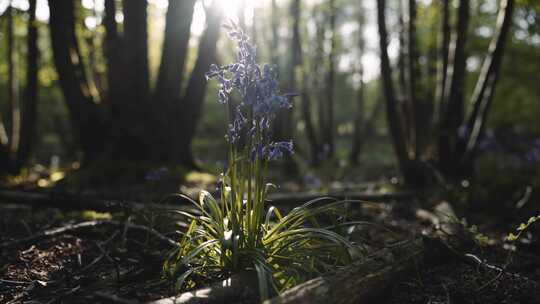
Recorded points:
(132, 115)
(136, 50)
(489, 74)
(443, 59)
(190, 109)
(113, 56)
(29, 117)
(290, 166)
(453, 106)
(330, 82)
(92, 60)
(403, 94)
(401, 57)
(359, 121)
(306, 114)
(86, 116)
(319, 85)
(413, 74)
(280, 127)
(392, 112)
(175, 47)
(14, 113)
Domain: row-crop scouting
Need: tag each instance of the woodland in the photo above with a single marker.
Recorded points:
(270, 151)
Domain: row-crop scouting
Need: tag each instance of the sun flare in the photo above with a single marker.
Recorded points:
(233, 9)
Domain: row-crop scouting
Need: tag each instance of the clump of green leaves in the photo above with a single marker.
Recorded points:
(240, 232)
(513, 237)
(473, 232)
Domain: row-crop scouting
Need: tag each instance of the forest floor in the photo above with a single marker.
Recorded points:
(113, 260)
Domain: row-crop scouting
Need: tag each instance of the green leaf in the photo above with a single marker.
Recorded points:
(182, 278)
(511, 237)
(533, 219)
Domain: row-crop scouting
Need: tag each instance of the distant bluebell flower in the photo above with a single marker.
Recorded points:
(276, 150)
(311, 181)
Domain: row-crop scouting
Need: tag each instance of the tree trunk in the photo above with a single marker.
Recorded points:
(443, 60)
(319, 85)
(485, 87)
(86, 116)
(359, 122)
(360, 119)
(29, 115)
(392, 112)
(113, 56)
(174, 55)
(190, 108)
(136, 50)
(329, 131)
(453, 106)
(280, 128)
(403, 92)
(14, 113)
(132, 110)
(306, 114)
(413, 74)
(290, 166)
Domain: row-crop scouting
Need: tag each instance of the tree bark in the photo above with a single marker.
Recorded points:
(281, 127)
(319, 85)
(86, 116)
(413, 72)
(29, 115)
(443, 59)
(360, 118)
(136, 140)
(329, 131)
(175, 46)
(403, 92)
(190, 108)
(136, 50)
(14, 113)
(392, 114)
(453, 106)
(489, 74)
(113, 57)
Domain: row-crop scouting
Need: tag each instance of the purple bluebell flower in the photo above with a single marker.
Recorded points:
(276, 150)
(260, 98)
(236, 127)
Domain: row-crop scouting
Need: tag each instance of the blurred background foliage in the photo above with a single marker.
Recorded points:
(513, 127)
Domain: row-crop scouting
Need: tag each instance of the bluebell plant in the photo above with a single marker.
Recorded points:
(240, 232)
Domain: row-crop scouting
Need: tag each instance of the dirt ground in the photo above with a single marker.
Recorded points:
(107, 264)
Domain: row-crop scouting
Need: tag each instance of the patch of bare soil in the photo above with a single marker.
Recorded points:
(78, 266)
(457, 282)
